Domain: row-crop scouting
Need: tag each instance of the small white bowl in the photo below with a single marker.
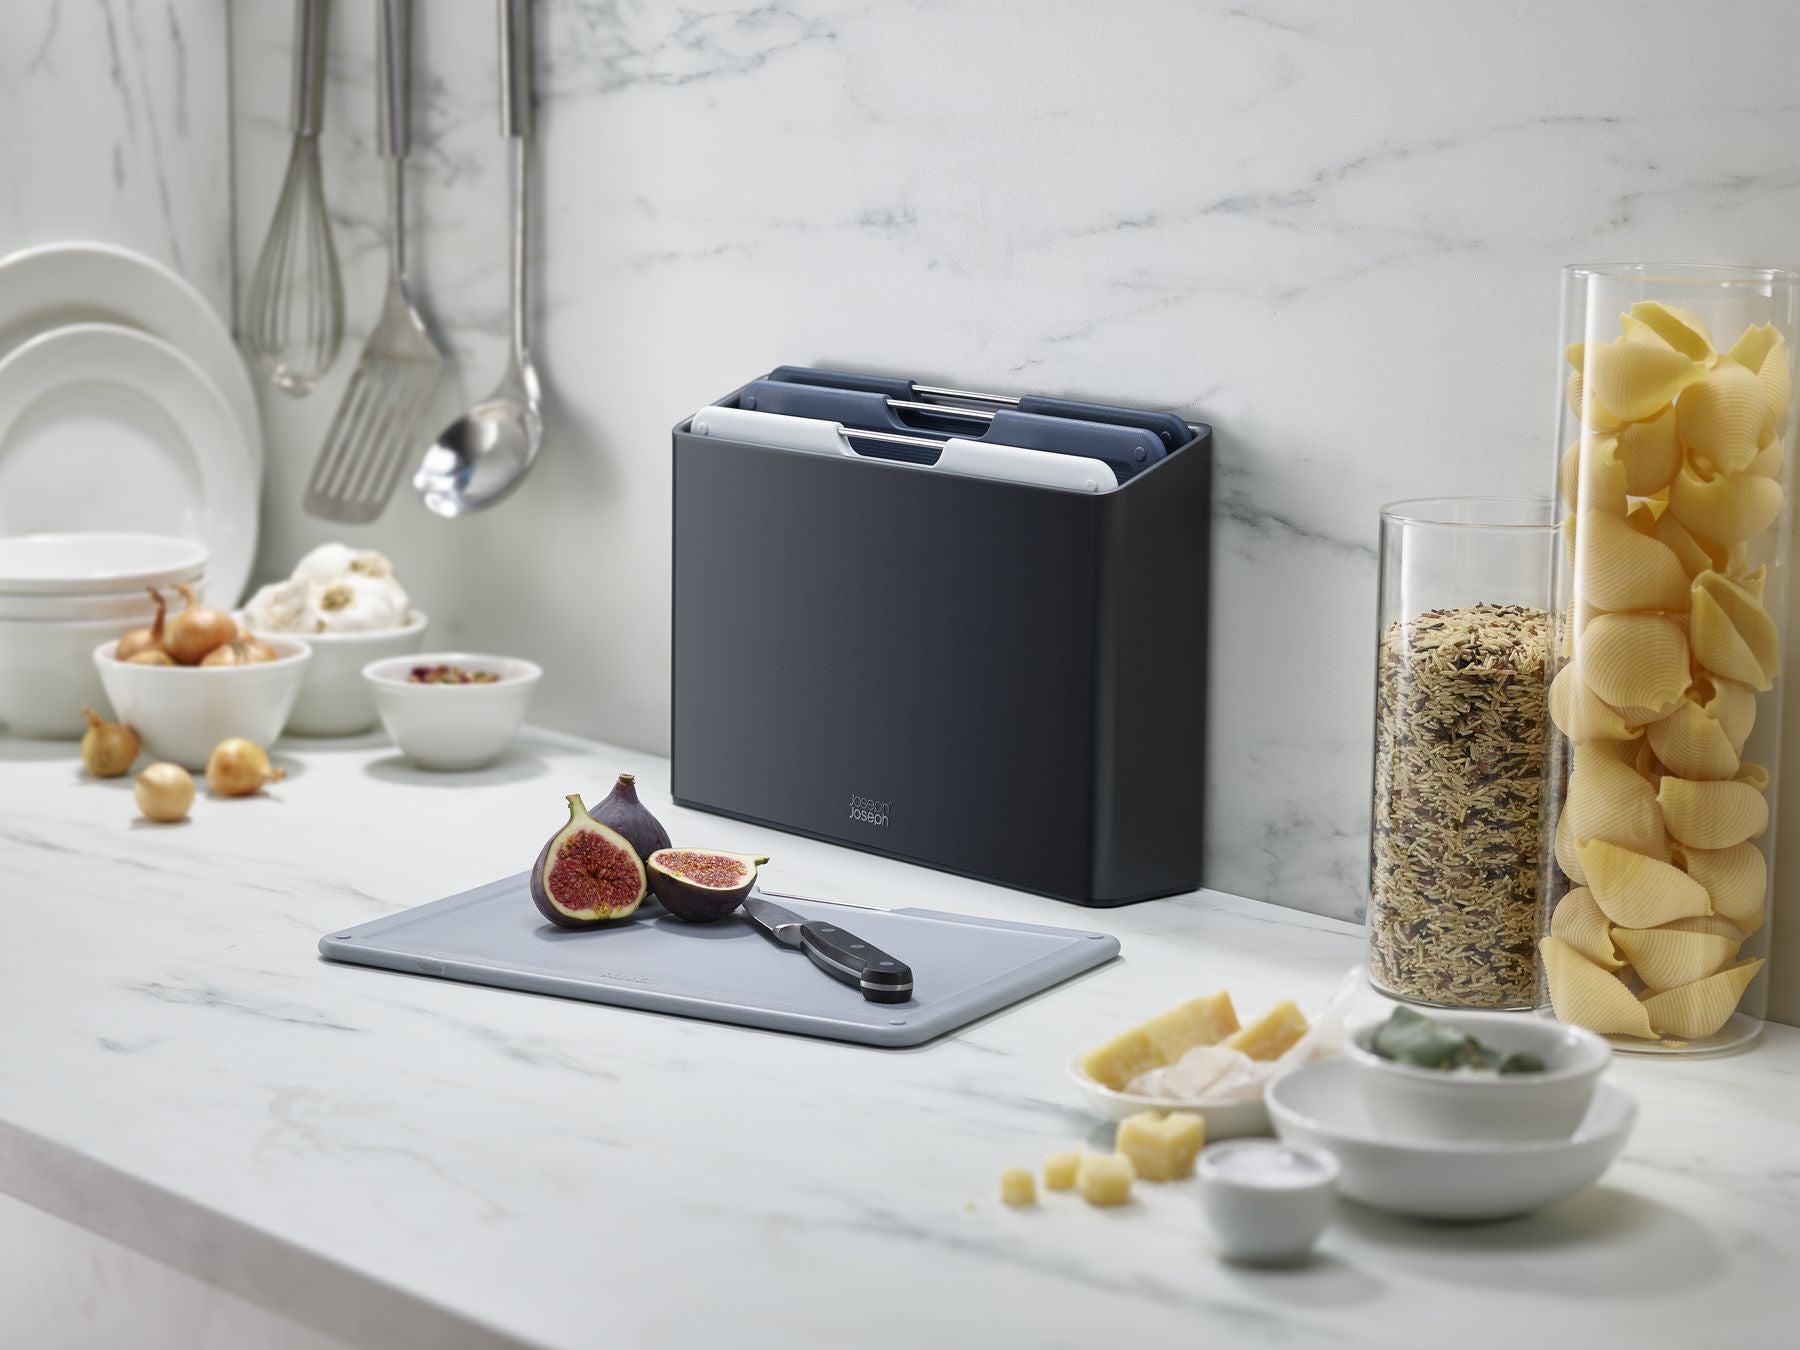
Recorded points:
(1457, 1105)
(182, 712)
(334, 699)
(86, 564)
(47, 674)
(1267, 1202)
(1322, 1106)
(1225, 1119)
(126, 608)
(452, 726)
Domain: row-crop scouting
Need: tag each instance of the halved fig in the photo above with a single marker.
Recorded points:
(588, 873)
(699, 884)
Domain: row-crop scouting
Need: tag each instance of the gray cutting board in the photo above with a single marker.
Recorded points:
(963, 968)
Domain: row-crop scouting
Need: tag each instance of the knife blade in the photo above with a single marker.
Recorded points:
(841, 955)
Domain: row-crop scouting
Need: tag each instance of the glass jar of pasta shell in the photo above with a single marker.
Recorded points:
(1461, 694)
(1673, 450)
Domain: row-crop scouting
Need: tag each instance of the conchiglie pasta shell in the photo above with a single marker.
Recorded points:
(1588, 410)
(1586, 995)
(1767, 463)
(1681, 329)
(1691, 742)
(1710, 815)
(1695, 1011)
(1608, 799)
(1580, 922)
(1724, 507)
(1636, 662)
(1566, 857)
(1635, 380)
(1650, 452)
(1754, 345)
(1665, 958)
(1581, 716)
(1696, 555)
(1731, 703)
(1591, 472)
(1763, 350)
(1722, 415)
(1736, 879)
(1638, 892)
(1618, 567)
(1732, 634)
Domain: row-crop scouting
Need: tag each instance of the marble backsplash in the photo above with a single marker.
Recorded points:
(118, 128)
(1333, 231)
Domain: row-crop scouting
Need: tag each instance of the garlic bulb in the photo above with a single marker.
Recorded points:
(356, 604)
(279, 607)
(329, 562)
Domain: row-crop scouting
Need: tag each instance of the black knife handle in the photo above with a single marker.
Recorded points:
(846, 957)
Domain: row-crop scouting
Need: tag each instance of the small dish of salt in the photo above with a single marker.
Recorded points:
(1267, 1201)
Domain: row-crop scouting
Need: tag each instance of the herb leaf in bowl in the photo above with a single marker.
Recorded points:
(1410, 1037)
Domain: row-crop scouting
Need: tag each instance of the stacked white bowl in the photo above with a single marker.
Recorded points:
(60, 596)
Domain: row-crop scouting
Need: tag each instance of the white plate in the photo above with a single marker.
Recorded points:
(1321, 1106)
(130, 608)
(1225, 1118)
(109, 428)
(94, 563)
(57, 284)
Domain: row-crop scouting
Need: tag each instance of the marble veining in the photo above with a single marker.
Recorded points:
(410, 1163)
(1331, 231)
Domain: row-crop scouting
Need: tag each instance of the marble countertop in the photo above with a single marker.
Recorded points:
(405, 1162)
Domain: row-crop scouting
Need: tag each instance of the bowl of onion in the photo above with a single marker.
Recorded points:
(181, 712)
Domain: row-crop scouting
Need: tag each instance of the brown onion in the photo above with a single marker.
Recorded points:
(164, 793)
(148, 639)
(239, 768)
(108, 749)
(154, 657)
(248, 651)
(197, 630)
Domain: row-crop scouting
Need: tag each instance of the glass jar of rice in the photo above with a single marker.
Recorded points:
(1461, 712)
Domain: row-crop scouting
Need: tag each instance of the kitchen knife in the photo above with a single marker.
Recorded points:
(841, 955)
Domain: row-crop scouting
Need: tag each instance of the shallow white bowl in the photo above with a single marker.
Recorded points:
(83, 564)
(47, 674)
(1263, 1218)
(127, 608)
(1458, 1105)
(452, 726)
(182, 712)
(1224, 1119)
(1322, 1106)
(334, 699)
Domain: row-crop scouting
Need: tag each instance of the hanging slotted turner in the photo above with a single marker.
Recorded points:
(376, 427)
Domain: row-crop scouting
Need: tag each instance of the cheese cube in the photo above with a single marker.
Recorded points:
(1018, 1187)
(1199, 1021)
(1162, 1146)
(1059, 1170)
(1272, 1033)
(1105, 1178)
(1162, 1040)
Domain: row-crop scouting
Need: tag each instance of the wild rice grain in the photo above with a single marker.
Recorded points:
(1460, 718)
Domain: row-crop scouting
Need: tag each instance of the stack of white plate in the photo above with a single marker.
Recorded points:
(124, 406)
(62, 595)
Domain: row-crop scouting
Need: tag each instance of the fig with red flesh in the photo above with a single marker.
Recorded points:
(699, 884)
(588, 873)
(625, 813)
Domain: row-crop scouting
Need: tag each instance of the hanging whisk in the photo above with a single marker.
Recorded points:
(296, 318)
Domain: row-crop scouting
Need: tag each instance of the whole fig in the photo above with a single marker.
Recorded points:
(625, 813)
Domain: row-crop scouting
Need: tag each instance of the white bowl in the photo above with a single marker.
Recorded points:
(84, 564)
(1271, 1213)
(1322, 1106)
(47, 674)
(127, 608)
(182, 712)
(334, 699)
(1225, 1119)
(452, 726)
(1420, 1103)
